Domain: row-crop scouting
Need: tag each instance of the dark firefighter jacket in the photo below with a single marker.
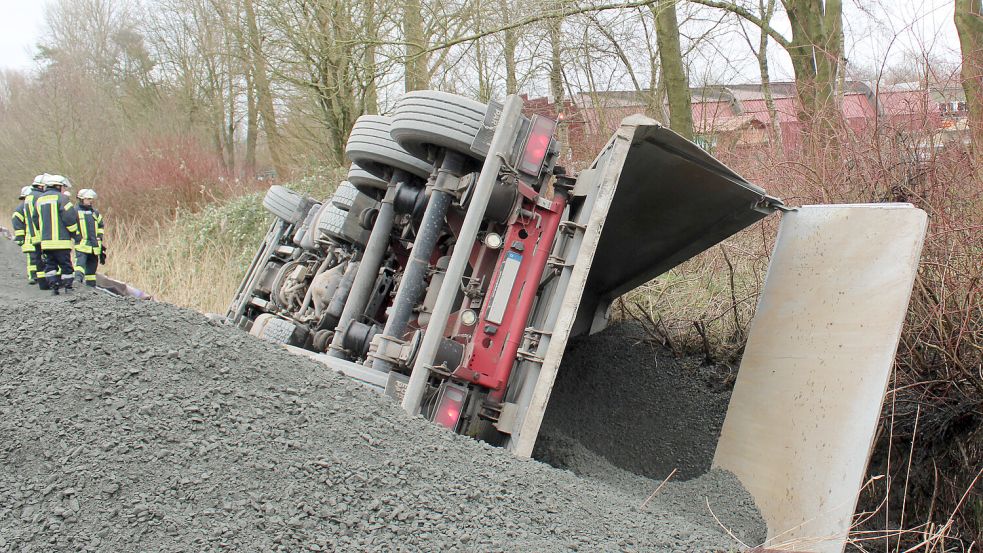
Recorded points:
(57, 221)
(30, 213)
(90, 230)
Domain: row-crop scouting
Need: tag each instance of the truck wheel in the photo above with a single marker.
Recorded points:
(259, 323)
(371, 146)
(330, 222)
(426, 118)
(278, 331)
(287, 204)
(344, 196)
(367, 183)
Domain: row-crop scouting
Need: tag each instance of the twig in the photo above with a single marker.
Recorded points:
(649, 498)
(729, 533)
(911, 454)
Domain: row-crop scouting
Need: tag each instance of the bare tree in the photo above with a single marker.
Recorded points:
(417, 74)
(264, 94)
(766, 10)
(509, 45)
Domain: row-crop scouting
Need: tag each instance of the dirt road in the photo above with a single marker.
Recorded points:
(138, 426)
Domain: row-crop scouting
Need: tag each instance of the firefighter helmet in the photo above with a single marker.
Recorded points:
(24, 192)
(57, 180)
(87, 194)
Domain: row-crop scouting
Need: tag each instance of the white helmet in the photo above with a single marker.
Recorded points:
(87, 194)
(39, 180)
(57, 180)
(24, 192)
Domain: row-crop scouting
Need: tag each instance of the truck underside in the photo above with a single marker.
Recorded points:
(457, 259)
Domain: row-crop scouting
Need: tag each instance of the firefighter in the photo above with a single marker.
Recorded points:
(23, 233)
(37, 189)
(89, 250)
(57, 224)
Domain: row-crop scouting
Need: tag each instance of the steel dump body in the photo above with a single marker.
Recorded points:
(648, 202)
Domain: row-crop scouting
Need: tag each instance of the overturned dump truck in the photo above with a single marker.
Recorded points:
(452, 266)
(458, 257)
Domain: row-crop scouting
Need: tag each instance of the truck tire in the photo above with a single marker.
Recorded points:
(344, 196)
(278, 331)
(330, 222)
(286, 204)
(372, 147)
(425, 119)
(259, 323)
(366, 183)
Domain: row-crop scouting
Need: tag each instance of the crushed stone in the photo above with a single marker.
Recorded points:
(139, 426)
(637, 407)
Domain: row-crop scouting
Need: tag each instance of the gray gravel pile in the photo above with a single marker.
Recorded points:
(143, 427)
(641, 409)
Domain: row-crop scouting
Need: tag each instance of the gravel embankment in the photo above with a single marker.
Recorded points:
(138, 426)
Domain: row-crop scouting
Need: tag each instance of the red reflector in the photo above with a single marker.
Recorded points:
(540, 135)
(449, 407)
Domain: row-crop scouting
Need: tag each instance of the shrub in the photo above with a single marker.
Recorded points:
(151, 180)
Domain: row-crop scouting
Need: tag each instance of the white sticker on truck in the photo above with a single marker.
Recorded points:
(503, 288)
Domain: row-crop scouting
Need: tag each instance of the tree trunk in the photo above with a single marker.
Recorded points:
(370, 97)
(509, 40)
(252, 125)
(659, 96)
(816, 51)
(230, 132)
(555, 31)
(554, 28)
(264, 96)
(673, 71)
(480, 56)
(417, 75)
(767, 9)
(969, 25)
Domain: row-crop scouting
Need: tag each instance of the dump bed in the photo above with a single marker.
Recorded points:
(650, 201)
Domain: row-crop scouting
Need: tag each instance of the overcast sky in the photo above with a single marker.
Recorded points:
(875, 30)
(20, 26)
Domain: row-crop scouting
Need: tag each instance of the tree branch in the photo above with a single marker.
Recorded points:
(743, 13)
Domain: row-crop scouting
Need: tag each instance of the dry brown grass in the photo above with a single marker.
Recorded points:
(174, 270)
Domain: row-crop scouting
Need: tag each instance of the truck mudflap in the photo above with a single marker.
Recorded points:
(649, 201)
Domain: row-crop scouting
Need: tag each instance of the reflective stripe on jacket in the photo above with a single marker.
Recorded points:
(22, 228)
(57, 221)
(90, 230)
(31, 214)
